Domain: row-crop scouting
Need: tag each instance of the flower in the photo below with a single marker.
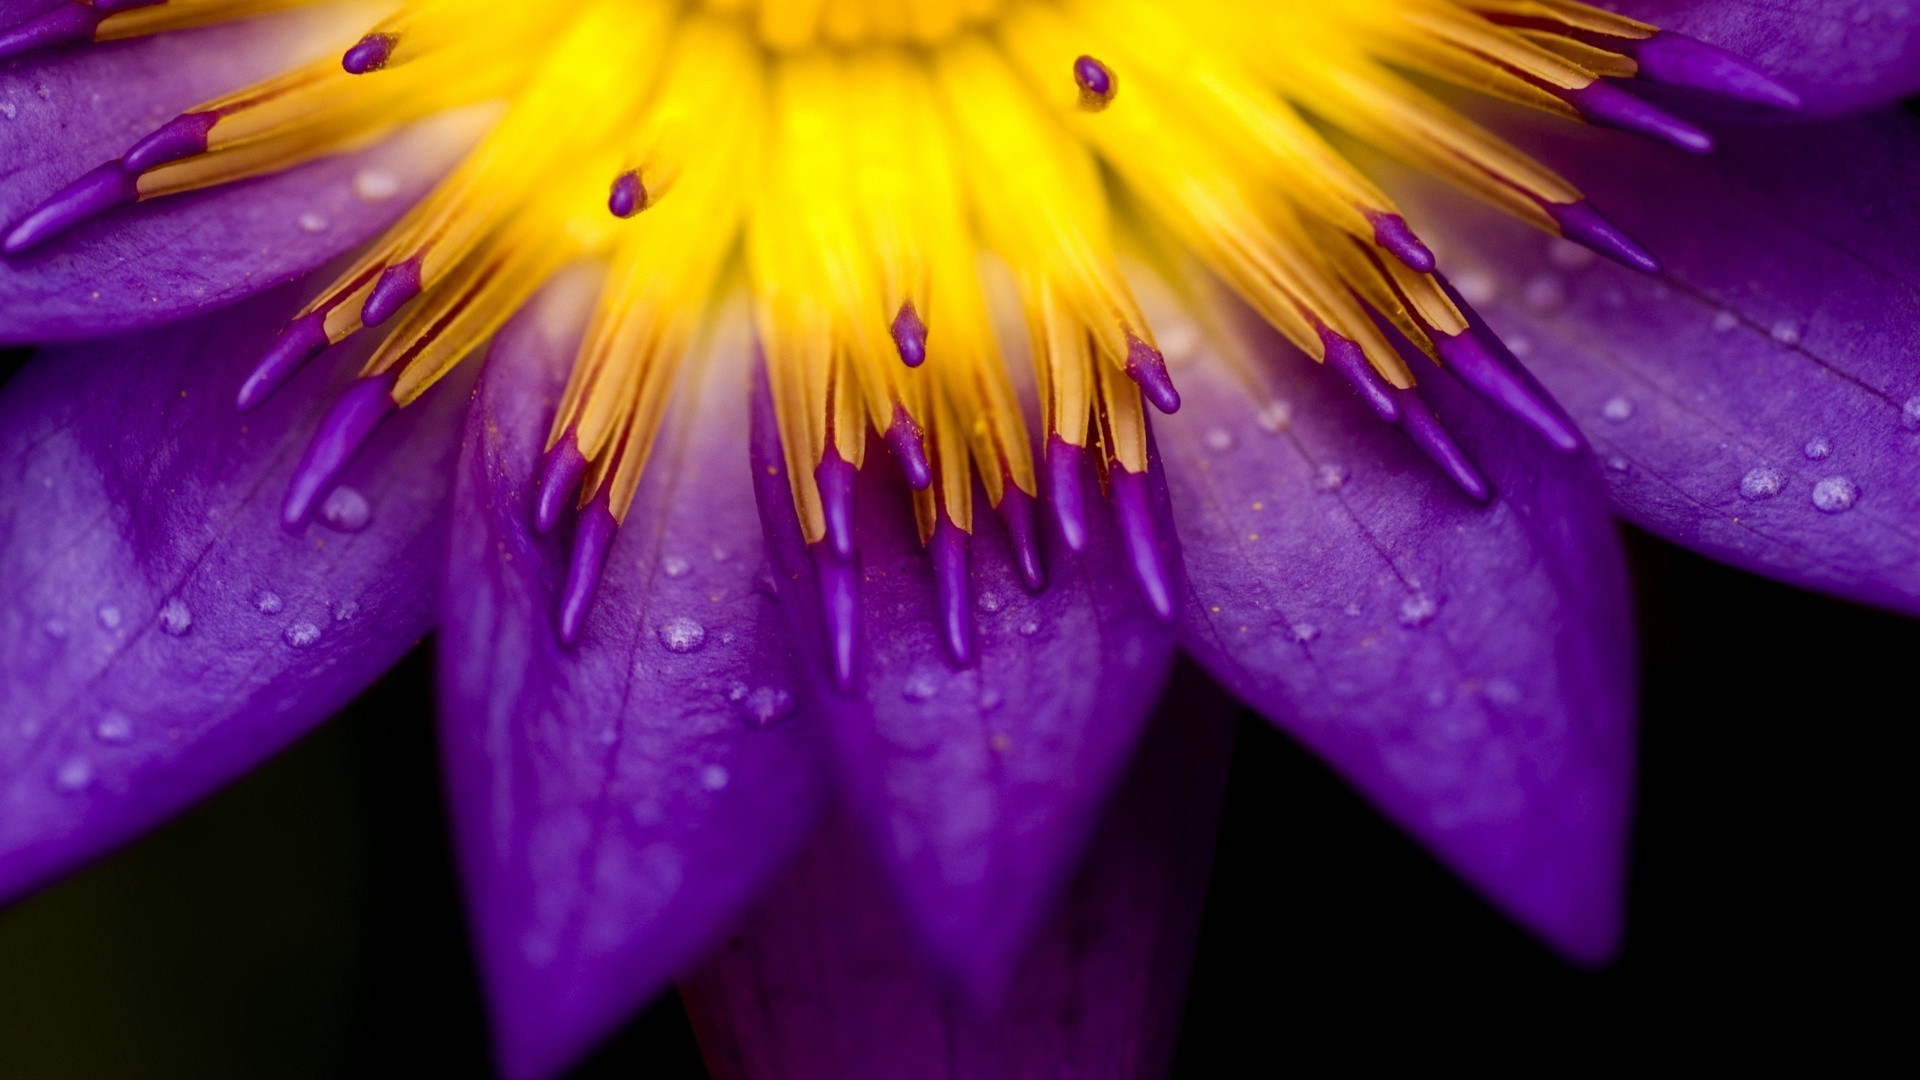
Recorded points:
(639, 732)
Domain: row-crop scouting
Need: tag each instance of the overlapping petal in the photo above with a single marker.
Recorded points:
(160, 632)
(67, 112)
(823, 980)
(617, 803)
(1760, 402)
(1837, 54)
(978, 786)
(1468, 667)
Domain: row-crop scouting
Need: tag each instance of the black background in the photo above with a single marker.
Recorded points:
(305, 922)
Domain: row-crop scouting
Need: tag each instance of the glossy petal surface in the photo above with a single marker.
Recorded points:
(1760, 403)
(617, 803)
(70, 110)
(1837, 54)
(823, 980)
(1469, 668)
(978, 786)
(160, 633)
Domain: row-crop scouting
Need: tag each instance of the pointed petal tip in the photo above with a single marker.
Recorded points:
(183, 136)
(592, 542)
(356, 414)
(1582, 224)
(839, 584)
(1133, 511)
(1023, 533)
(67, 24)
(1349, 361)
(835, 477)
(397, 287)
(1065, 492)
(369, 54)
(1393, 235)
(909, 335)
(99, 191)
(908, 442)
(1679, 60)
(560, 473)
(948, 550)
(303, 339)
(1608, 106)
(1147, 366)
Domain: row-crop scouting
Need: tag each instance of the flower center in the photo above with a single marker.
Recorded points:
(857, 160)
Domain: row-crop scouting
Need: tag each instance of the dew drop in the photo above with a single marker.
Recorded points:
(73, 777)
(1619, 464)
(1545, 293)
(918, 687)
(301, 634)
(1276, 416)
(991, 699)
(720, 554)
(1910, 414)
(1763, 482)
(1725, 321)
(54, 627)
(311, 222)
(714, 777)
(112, 728)
(675, 567)
(990, 602)
(1835, 494)
(9, 110)
(1818, 448)
(1475, 287)
(1785, 332)
(1518, 345)
(267, 602)
(1418, 610)
(175, 618)
(345, 610)
(736, 691)
(763, 584)
(1304, 632)
(1331, 477)
(109, 616)
(1179, 341)
(766, 706)
(1567, 255)
(1502, 691)
(1219, 440)
(682, 635)
(375, 185)
(345, 510)
(1617, 409)
(1352, 610)
(1029, 628)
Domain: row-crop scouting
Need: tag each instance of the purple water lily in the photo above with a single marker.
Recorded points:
(707, 668)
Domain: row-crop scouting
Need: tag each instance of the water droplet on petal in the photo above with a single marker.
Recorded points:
(1219, 440)
(1910, 414)
(267, 603)
(1835, 494)
(714, 777)
(1476, 288)
(1545, 293)
(1725, 321)
(1818, 448)
(113, 728)
(1567, 255)
(675, 567)
(766, 706)
(1785, 332)
(1617, 409)
(736, 691)
(1418, 610)
(1619, 464)
(1276, 416)
(1304, 632)
(375, 185)
(1029, 628)
(919, 686)
(311, 222)
(682, 635)
(175, 618)
(990, 602)
(344, 610)
(74, 777)
(301, 634)
(54, 627)
(109, 616)
(345, 510)
(1331, 477)
(1763, 482)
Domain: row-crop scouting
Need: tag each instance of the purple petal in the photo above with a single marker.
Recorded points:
(980, 786)
(1760, 404)
(1468, 667)
(617, 803)
(1837, 54)
(823, 980)
(160, 633)
(178, 256)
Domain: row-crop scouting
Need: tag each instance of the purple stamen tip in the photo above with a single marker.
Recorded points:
(1392, 234)
(628, 196)
(398, 285)
(1582, 224)
(1023, 532)
(68, 24)
(908, 443)
(183, 136)
(834, 476)
(1678, 60)
(94, 194)
(1608, 106)
(301, 341)
(592, 540)
(948, 549)
(839, 583)
(1065, 467)
(1431, 436)
(560, 473)
(370, 53)
(1133, 510)
(1349, 361)
(356, 414)
(1096, 81)
(1148, 367)
(909, 335)
(1474, 364)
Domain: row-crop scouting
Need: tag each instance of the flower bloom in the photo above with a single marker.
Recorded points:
(878, 396)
